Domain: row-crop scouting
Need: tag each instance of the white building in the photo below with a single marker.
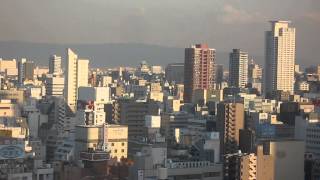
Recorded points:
(54, 86)
(280, 57)
(77, 72)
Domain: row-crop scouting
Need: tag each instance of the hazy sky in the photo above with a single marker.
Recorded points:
(223, 24)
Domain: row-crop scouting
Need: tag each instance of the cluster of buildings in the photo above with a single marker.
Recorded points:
(191, 120)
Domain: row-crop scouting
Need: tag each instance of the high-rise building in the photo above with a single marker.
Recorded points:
(280, 58)
(55, 64)
(219, 73)
(25, 70)
(21, 70)
(254, 72)
(77, 72)
(29, 70)
(240, 166)
(230, 121)
(198, 69)
(175, 72)
(238, 69)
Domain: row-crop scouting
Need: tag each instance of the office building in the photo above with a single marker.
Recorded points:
(238, 69)
(280, 58)
(29, 71)
(54, 86)
(198, 69)
(132, 113)
(77, 72)
(55, 64)
(21, 70)
(175, 73)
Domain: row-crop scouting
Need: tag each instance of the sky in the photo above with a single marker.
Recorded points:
(223, 24)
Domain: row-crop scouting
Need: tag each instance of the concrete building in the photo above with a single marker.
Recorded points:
(219, 73)
(116, 140)
(238, 69)
(280, 58)
(55, 65)
(230, 121)
(156, 69)
(152, 163)
(76, 76)
(307, 128)
(29, 67)
(241, 166)
(8, 65)
(88, 137)
(132, 113)
(54, 86)
(21, 70)
(198, 69)
(280, 160)
(175, 73)
(254, 72)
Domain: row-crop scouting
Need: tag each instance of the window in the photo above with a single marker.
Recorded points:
(115, 151)
(112, 144)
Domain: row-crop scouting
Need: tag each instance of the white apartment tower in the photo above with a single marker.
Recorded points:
(76, 76)
(55, 65)
(238, 68)
(280, 58)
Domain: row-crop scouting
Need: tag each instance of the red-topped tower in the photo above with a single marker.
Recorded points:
(198, 69)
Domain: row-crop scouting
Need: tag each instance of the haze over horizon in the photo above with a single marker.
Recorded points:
(222, 24)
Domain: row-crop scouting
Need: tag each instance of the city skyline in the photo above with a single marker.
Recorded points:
(219, 25)
(159, 90)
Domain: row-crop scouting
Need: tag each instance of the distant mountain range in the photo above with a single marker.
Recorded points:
(101, 55)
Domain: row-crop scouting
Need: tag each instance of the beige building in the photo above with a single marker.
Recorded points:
(88, 136)
(77, 72)
(248, 168)
(240, 166)
(7, 65)
(8, 109)
(281, 160)
(230, 121)
(16, 96)
(116, 140)
(280, 58)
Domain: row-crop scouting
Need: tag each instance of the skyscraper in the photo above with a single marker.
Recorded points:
(55, 64)
(21, 70)
(76, 76)
(29, 70)
(280, 58)
(219, 74)
(198, 69)
(238, 69)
